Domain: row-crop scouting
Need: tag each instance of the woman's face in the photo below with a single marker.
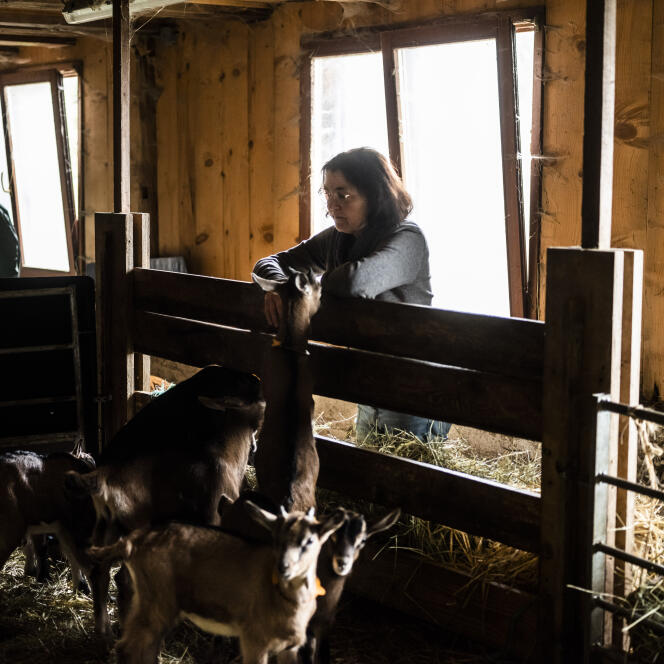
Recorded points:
(346, 205)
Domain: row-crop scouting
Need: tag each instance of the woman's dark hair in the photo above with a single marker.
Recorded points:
(388, 202)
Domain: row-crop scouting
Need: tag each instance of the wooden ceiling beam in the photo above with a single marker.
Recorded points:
(35, 40)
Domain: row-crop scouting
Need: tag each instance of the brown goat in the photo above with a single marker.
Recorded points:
(264, 594)
(34, 500)
(286, 460)
(147, 487)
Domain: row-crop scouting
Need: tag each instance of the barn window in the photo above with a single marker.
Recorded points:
(455, 107)
(40, 166)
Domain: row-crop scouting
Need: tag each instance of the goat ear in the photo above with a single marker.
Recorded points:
(268, 285)
(261, 517)
(302, 283)
(224, 503)
(331, 523)
(383, 524)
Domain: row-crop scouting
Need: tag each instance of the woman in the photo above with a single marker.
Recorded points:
(372, 251)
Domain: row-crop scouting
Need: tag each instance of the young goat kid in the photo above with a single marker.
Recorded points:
(286, 460)
(335, 564)
(34, 500)
(224, 584)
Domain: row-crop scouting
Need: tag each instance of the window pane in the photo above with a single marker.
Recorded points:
(37, 176)
(525, 53)
(71, 111)
(453, 169)
(347, 111)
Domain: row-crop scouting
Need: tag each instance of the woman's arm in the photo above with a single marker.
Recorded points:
(395, 262)
(308, 255)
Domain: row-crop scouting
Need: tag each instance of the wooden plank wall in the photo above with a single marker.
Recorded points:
(227, 135)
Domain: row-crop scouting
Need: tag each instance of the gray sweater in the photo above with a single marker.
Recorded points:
(393, 266)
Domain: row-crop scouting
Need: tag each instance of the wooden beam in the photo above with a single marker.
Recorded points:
(115, 362)
(121, 108)
(507, 346)
(493, 614)
(625, 463)
(598, 124)
(480, 507)
(485, 400)
(581, 358)
(28, 40)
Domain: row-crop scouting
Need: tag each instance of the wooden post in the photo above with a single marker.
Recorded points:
(121, 92)
(630, 374)
(598, 123)
(114, 257)
(581, 358)
(141, 259)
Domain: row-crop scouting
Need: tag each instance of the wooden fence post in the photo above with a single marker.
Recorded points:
(114, 257)
(581, 357)
(630, 374)
(141, 259)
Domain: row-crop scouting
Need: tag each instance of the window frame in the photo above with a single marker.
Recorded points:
(501, 26)
(54, 75)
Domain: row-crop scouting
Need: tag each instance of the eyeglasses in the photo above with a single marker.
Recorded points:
(340, 197)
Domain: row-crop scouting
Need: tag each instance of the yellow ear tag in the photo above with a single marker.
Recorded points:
(276, 343)
(320, 591)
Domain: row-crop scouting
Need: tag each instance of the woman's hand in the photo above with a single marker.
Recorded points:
(273, 309)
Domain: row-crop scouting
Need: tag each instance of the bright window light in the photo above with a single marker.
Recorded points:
(37, 176)
(348, 111)
(453, 170)
(70, 84)
(525, 47)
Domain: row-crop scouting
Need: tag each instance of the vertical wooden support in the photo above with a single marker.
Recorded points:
(141, 259)
(114, 255)
(598, 123)
(581, 358)
(630, 374)
(121, 108)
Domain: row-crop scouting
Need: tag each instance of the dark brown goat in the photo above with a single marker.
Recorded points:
(286, 460)
(264, 594)
(147, 476)
(335, 564)
(34, 500)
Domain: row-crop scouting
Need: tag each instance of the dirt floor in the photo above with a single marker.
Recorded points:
(46, 624)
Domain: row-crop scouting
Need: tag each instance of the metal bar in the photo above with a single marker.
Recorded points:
(598, 547)
(630, 486)
(627, 613)
(637, 412)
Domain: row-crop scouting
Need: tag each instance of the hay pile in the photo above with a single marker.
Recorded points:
(483, 560)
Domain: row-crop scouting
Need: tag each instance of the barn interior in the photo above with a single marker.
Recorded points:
(530, 136)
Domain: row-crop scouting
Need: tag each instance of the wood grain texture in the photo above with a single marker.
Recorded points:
(582, 355)
(483, 400)
(653, 323)
(479, 507)
(498, 616)
(507, 346)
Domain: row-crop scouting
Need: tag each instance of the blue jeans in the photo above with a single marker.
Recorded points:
(381, 420)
